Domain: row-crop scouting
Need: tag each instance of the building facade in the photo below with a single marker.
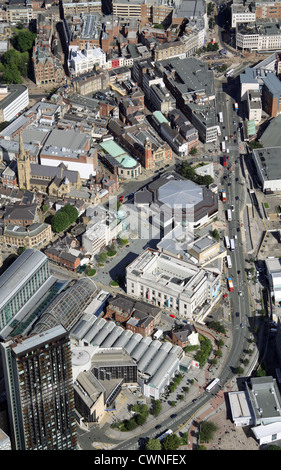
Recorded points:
(39, 388)
(20, 282)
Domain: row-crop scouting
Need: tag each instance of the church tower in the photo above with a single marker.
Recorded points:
(23, 164)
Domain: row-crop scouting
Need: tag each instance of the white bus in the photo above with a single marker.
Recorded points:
(229, 215)
(219, 130)
(223, 146)
(226, 241)
(232, 244)
(220, 117)
(229, 263)
(168, 432)
(212, 385)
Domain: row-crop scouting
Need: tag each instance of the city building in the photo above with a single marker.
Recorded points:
(259, 36)
(35, 235)
(142, 141)
(83, 61)
(267, 164)
(53, 177)
(78, 8)
(172, 200)
(192, 84)
(152, 363)
(21, 280)
(13, 100)
(138, 317)
(19, 12)
(254, 106)
(263, 79)
(118, 161)
(167, 281)
(39, 391)
(72, 149)
(259, 407)
(185, 336)
(104, 227)
(273, 274)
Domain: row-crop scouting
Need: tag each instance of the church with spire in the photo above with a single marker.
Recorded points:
(54, 181)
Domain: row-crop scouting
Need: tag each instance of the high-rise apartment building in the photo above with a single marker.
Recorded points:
(39, 389)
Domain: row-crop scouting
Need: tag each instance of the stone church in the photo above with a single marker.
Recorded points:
(54, 181)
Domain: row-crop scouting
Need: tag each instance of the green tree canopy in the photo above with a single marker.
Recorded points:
(60, 221)
(11, 74)
(71, 211)
(24, 40)
(153, 444)
(171, 442)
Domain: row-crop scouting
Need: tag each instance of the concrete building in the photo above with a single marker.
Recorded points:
(83, 61)
(171, 200)
(167, 281)
(273, 273)
(192, 85)
(264, 80)
(259, 406)
(13, 100)
(103, 227)
(19, 283)
(260, 36)
(74, 8)
(254, 106)
(267, 163)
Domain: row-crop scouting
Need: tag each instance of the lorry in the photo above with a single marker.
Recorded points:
(157, 334)
(230, 284)
(220, 117)
(223, 146)
(232, 244)
(223, 195)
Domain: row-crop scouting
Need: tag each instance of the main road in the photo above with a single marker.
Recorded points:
(240, 314)
(234, 184)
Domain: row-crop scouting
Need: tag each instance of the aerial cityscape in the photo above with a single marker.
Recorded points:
(140, 227)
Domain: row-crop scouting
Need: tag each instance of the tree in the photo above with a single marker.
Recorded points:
(24, 40)
(171, 442)
(153, 444)
(216, 234)
(207, 430)
(156, 408)
(60, 221)
(11, 75)
(71, 211)
(140, 419)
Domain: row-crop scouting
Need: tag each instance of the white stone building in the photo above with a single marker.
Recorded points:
(173, 283)
(80, 62)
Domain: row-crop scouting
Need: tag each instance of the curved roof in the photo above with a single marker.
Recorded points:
(180, 193)
(68, 306)
(126, 161)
